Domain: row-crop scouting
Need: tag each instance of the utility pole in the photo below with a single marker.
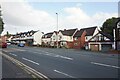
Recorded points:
(57, 29)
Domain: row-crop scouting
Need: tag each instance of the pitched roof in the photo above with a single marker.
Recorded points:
(68, 32)
(104, 34)
(78, 33)
(107, 35)
(115, 21)
(89, 31)
(47, 35)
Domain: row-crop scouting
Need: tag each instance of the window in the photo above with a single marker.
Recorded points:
(60, 37)
(86, 37)
(71, 37)
(102, 38)
(75, 38)
(53, 37)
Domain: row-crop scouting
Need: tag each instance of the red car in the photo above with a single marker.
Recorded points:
(4, 45)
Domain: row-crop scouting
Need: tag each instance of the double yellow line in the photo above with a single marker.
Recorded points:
(29, 70)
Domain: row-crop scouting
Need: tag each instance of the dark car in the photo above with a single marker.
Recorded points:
(21, 45)
(4, 45)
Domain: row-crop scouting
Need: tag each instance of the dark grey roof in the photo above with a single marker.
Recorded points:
(47, 35)
(68, 32)
(89, 31)
(78, 33)
(107, 35)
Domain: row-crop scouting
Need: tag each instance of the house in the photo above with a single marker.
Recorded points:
(54, 39)
(83, 35)
(90, 32)
(116, 32)
(50, 39)
(65, 37)
(37, 37)
(29, 38)
(79, 39)
(46, 39)
(101, 42)
(3, 38)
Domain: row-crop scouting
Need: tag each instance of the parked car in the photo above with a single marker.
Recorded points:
(3, 44)
(21, 45)
(8, 43)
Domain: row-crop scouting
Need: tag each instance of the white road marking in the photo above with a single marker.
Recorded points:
(64, 73)
(13, 54)
(30, 61)
(101, 64)
(54, 55)
(18, 49)
(5, 51)
(65, 57)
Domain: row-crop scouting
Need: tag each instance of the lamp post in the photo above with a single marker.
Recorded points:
(57, 29)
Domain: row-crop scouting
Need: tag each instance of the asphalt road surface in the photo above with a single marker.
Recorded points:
(67, 63)
(11, 70)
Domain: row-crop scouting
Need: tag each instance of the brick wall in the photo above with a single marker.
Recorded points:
(80, 42)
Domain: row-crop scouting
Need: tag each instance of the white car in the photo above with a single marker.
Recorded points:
(8, 43)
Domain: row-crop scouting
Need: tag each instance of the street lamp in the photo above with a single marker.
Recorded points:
(57, 29)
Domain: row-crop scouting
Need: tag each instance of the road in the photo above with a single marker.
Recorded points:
(66, 63)
(9, 70)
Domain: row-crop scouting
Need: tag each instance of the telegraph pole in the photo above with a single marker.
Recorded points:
(57, 29)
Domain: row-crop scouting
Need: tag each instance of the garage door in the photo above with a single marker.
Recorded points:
(106, 47)
(94, 47)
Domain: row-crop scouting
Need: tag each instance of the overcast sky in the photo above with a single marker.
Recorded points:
(24, 15)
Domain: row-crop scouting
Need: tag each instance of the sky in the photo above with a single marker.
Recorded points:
(25, 15)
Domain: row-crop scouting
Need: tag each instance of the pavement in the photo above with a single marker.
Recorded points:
(67, 63)
(0, 65)
(9, 70)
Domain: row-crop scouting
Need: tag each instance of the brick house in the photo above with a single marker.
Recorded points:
(79, 39)
(3, 38)
(82, 36)
(65, 37)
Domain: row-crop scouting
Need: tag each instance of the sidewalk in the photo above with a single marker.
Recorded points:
(0, 64)
(10, 70)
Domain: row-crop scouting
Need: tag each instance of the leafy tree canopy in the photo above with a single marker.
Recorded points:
(1, 22)
(109, 25)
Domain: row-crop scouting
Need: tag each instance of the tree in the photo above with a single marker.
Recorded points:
(8, 35)
(1, 22)
(109, 25)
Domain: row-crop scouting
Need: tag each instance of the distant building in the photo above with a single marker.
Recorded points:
(37, 38)
(3, 38)
(29, 38)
